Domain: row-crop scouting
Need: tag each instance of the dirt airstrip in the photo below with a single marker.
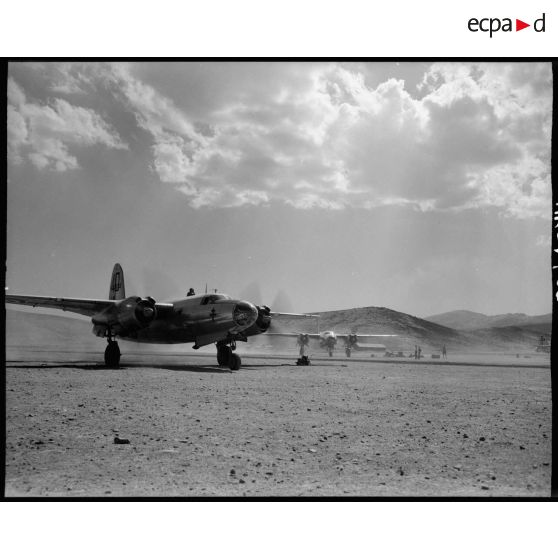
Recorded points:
(336, 428)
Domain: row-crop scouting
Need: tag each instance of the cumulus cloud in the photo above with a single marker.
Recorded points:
(43, 133)
(475, 135)
(319, 136)
(155, 112)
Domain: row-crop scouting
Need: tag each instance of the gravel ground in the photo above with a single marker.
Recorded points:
(336, 428)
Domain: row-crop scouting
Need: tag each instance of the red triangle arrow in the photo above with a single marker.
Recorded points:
(519, 25)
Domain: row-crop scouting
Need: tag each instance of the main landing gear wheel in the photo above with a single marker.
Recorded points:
(112, 354)
(224, 353)
(226, 356)
(330, 352)
(234, 362)
(348, 351)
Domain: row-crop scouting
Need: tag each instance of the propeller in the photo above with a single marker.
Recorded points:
(282, 302)
(267, 320)
(264, 320)
(252, 292)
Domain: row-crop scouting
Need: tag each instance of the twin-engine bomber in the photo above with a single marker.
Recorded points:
(199, 319)
(328, 340)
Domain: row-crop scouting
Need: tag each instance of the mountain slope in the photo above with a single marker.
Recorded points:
(466, 320)
(411, 330)
(36, 329)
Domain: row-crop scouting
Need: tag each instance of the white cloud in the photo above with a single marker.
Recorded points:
(17, 133)
(223, 197)
(156, 113)
(44, 132)
(171, 162)
(317, 135)
(69, 78)
(310, 201)
(52, 153)
(521, 189)
(474, 140)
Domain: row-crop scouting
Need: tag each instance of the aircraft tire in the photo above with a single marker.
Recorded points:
(234, 362)
(224, 355)
(330, 352)
(348, 352)
(112, 355)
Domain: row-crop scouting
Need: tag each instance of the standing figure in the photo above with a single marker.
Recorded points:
(416, 352)
(444, 352)
(419, 352)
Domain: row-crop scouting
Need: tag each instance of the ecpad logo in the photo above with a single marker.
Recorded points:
(494, 24)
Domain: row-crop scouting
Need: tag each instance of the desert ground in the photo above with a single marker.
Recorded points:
(340, 427)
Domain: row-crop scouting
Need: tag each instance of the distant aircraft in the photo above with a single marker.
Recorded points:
(328, 340)
(200, 319)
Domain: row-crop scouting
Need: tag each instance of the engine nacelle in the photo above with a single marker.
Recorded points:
(303, 339)
(328, 339)
(352, 340)
(261, 325)
(135, 313)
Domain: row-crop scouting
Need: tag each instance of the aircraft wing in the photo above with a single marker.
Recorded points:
(310, 335)
(363, 336)
(85, 306)
(338, 335)
(293, 315)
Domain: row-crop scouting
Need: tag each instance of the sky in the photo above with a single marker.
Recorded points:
(307, 186)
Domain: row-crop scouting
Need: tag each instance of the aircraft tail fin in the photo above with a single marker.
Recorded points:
(117, 284)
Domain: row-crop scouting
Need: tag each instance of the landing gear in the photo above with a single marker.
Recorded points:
(112, 354)
(234, 362)
(330, 351)
(225, 355)
(348, 351)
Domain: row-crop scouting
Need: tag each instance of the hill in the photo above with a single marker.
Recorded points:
(46, 330)
(431, 336)
(466, 320)
(372, 319)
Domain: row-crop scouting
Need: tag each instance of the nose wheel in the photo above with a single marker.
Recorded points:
(112, 354)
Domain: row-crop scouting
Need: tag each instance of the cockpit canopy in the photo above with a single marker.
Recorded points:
(212, 298)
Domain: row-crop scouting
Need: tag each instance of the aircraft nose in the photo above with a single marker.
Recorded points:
(245, 314)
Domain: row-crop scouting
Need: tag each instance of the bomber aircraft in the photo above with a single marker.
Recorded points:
(199, 319)
(328, 340)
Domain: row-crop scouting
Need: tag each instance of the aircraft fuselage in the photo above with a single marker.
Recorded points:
(201, 319)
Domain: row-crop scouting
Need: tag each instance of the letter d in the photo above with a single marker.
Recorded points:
(535, 25)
